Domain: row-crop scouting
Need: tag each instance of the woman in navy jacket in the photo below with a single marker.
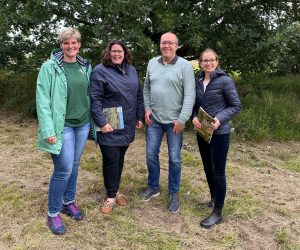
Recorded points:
(115, 83)
(217, 95)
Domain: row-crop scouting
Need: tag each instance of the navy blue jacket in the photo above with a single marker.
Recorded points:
(220, 99)
(113, 86)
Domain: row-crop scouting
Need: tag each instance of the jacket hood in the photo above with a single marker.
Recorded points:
(58, 56)
(216, 74)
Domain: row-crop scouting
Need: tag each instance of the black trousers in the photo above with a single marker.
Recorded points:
(112, 165)
(214, 156)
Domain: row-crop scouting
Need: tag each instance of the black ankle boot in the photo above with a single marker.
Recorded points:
(214, 218)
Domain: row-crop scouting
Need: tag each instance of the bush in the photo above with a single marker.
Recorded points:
(17, 91)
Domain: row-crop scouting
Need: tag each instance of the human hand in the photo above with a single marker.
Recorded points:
(51, 140)
(216, 123)
(147, 117)
(139, 124)
(178, 127)
(106, 128)
(196, 122)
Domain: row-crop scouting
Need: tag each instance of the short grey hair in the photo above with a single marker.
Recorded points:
(67, 33)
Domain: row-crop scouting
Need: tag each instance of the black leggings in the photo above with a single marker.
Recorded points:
(214, 157)
(113, 161)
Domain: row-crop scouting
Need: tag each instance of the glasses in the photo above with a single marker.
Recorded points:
(208, 61)
(116, 51)
(168, 43)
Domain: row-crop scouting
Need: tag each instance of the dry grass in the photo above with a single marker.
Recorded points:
(262, 208)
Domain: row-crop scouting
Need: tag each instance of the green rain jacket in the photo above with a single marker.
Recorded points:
(51, 99)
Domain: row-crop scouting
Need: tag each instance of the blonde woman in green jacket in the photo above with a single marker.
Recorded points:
(63, 111)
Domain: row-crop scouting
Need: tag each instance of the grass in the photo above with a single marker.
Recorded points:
(283, 238)
(254, 211)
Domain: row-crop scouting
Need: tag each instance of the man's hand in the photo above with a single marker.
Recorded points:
(147, 117)
(178, 127)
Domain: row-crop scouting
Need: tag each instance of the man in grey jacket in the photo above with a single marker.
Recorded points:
(169, 95)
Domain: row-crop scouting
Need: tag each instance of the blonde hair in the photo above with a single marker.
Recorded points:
(67, 33)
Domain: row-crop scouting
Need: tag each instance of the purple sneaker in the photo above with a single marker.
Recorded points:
(73, 211)
(55, 224)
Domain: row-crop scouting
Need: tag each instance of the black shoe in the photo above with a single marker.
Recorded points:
(208, 204)
(213, 219)
(174, 203)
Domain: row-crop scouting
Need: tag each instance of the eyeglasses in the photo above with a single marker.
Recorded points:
(167, 43)
(116, 51)
(208, 61)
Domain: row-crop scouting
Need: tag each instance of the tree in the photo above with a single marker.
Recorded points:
(239, 30)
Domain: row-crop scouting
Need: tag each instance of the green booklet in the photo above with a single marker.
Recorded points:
(206, 131)
(114, 117)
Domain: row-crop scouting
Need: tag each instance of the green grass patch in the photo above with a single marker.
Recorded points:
(91, 164)
(189, 160)
(293, 165)
(283, 239)
(10, 196)
(242, 205)
(230, 241)
(272, 116)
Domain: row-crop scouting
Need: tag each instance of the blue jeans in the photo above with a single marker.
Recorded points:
(62, 188)
(154, 135)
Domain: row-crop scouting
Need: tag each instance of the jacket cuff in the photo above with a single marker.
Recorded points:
(47, 133)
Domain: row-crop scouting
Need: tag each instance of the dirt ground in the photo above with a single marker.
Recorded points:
(262, 208)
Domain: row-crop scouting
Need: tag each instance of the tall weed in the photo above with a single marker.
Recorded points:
(273, 116)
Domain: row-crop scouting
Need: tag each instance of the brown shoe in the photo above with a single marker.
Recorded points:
(107, 207)
(121, 199)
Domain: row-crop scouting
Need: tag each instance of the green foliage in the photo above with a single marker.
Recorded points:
(17, 91)
(233, 28)
(286, 44)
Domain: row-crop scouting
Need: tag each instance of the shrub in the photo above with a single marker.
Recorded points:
(18, 91)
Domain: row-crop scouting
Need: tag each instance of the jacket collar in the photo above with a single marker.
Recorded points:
(58, 55)
(121, 68)
(217, 73)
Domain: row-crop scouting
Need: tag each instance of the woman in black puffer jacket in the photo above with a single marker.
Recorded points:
(217, 95)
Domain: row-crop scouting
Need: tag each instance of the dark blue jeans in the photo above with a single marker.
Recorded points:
(154, 135)
(112, 165)
(214, 156)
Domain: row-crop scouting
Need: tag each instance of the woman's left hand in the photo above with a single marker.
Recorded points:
(216, 123)
(139, 124)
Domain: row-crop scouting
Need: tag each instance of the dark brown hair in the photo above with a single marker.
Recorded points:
(106, 57)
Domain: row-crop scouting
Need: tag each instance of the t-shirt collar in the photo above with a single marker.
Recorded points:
(174, 60)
